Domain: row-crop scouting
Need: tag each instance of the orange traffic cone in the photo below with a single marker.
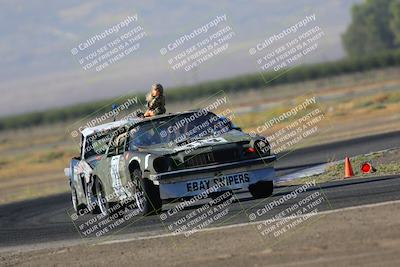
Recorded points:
(348, 170)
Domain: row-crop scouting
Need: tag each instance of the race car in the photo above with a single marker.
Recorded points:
(175, 157)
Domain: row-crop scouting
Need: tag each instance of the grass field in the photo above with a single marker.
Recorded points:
(33, 159)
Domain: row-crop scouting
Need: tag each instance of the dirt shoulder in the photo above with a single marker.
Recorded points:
(368, 236)
(382, 163)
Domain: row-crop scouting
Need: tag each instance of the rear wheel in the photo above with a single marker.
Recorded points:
(74, 199)
(75, 203)
(147, 195)
(262, 189)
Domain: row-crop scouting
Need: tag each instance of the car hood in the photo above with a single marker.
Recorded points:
(233, 136)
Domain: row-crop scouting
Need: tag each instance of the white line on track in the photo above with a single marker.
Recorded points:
(157, 234)
(251, 223)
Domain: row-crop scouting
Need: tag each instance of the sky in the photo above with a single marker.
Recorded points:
(37, 41)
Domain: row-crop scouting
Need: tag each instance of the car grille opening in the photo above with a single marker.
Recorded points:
(214, 157)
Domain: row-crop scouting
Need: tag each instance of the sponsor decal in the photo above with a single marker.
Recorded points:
(120, 191)
(203, 142)
(230, 180)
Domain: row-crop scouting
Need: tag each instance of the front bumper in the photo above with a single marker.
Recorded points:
(222, 177)
(171, 175)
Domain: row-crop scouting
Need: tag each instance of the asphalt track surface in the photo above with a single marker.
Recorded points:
(46, 219)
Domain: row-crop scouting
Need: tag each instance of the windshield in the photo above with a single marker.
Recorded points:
(178, 129)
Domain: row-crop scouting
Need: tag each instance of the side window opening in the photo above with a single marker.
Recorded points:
(120, 143)
(117, 145)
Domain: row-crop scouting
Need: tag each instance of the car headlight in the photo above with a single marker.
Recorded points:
(162, 164)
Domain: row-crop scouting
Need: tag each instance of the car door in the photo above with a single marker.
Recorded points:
(118, 178)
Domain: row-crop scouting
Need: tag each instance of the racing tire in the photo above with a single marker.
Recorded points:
(262, 189)
(74, 200)
(147, 194)
(102, 205)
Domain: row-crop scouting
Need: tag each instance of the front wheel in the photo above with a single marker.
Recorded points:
(102, 206)
(262, 189)
(147, 195)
